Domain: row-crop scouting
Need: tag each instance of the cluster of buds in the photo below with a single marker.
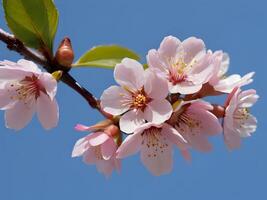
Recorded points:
(162, 107)
(158, 108)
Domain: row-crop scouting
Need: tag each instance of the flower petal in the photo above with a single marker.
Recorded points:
(154, 61)
(155, 86)
(47, 111)
(112, 100)
(108, 148)
(184, 88)
(157, 160)
(174, 136)
(168, 47)
(49, 83)
(130, 145)
(158, 111)
(192, 47)
(97, 138)
(20, 115)
(129, 73)
(131, 120)
(80, 147)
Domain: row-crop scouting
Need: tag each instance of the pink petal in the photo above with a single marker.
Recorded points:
(200, 142)
(112, 100)
(154, 61)
(89, 156)
(130, 145)
(80, 147)
(80, 127)
(97, 138)
(28, 66)
(209, 123)
(131, 120)
(158, 111)
(174, 136)
(231, 138)
(105, 166)
(192, 48)
(168, 47)
(228, 84)
(129, 73)
(108, 148)
(186, 155)
(6, 102)
(184, 88)
(47, 81)
(155, 86)
(20, 115)
(47, 111)
(12, 74)
(157, 160)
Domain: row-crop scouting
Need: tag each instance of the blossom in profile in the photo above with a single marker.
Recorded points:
(140, 97)
(185, 65)
(26, 90)
(238, 122)
(99, 148)
(155, 143)
(194, 121)
(220, 81)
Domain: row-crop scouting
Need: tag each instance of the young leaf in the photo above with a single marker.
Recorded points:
(105, 56)
(33, 22)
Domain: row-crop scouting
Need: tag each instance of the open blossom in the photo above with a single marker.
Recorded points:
(186, 65)
(25, 89)
(238, 122)
(223, 83)
(98, 148)
(194, 121)
(155, 143)
(140, 97)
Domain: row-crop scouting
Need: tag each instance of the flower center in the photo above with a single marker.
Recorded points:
(26, 90)
(241, 114)
(177, 72)
(139, 100)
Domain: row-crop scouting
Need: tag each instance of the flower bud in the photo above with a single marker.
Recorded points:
(64, 55)
(112, 130)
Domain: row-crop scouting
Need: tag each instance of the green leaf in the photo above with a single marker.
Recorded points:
(105, 56)
(34, 22)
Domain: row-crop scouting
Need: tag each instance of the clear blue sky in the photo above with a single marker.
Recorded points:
(36, 165)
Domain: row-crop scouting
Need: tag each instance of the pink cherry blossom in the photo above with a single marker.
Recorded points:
(194, 121)
(186, 65)
(26, 90)
(140, 98)
(98, 148)
(238, 122)
(155, 143)
(223, 83)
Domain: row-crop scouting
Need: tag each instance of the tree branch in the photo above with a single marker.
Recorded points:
(14, 44)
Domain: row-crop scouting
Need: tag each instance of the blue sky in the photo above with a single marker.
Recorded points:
(36, 164)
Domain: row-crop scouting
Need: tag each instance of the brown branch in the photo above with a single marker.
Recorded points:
(16, 45)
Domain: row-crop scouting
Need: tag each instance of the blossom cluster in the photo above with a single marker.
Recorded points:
(158, 107)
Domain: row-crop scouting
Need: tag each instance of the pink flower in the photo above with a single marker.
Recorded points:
(238, 122)
(155, 142)
(186, 65)
(140, 98)
(26, 90)
(223, 83)
(194, 121)
(98, 148)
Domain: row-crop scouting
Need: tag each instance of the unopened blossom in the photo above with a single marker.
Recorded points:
(155, 143)
(185, 65)
(220, 81)
(26, 90)
(238, 122)
(194, 121)
(98, 148)
(139, 98)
